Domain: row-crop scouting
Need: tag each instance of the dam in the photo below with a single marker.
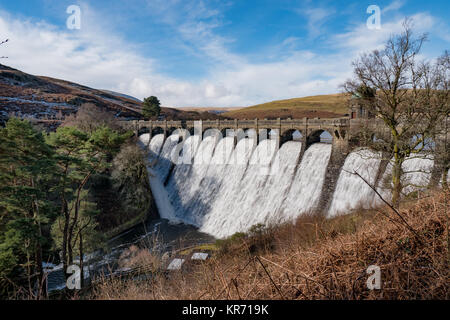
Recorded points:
(226, 181)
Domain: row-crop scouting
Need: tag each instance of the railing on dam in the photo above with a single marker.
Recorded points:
(239, 123)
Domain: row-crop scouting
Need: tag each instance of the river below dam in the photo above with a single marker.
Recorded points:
(160, 236)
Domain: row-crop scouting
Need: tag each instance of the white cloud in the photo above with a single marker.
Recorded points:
(364, 39)
(99, 58)
(316, 18)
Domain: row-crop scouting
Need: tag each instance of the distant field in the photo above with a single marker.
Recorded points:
(322, 106)
(213, 110)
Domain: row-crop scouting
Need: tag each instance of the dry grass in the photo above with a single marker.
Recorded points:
(322, 106)
(318, 259)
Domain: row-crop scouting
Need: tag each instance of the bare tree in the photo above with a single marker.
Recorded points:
(90, 117)
(409, 100)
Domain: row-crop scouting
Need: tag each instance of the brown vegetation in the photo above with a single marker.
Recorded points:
(322, 106)
(318, 258)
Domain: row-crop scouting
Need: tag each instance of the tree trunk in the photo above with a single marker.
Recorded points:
(65, 234)
(41, 281)
(444, 178)
(81, 261)
(396, 181)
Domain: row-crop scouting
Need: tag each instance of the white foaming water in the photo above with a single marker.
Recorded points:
(164, 162)
(186, 184)
(416, 175)
(238, 215)
(179, 178)
(229, 191)
(351, 191)
(160, 195)
(144, 140)
(155, 147)
(212, 180)
(305, 191)
(278, 183)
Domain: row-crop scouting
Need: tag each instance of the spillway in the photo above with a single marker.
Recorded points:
(351, 191)
(227, 185)
(416, 175)
(304, 194)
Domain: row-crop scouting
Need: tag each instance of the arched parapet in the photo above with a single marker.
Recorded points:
(319, 135)
(292, 135)
(212, 132)
(268, 133)
(143, 130)
(158, 130)
(229, 132)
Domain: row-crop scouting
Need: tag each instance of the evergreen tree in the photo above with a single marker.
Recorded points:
(79, 156)
(151, 107)
(26, 165)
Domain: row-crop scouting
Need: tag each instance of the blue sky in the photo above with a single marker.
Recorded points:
(208, 53)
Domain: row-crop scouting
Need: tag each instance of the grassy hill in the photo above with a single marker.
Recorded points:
(322, 106)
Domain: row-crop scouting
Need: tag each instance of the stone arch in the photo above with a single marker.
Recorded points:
(242, 133)
(171, 130)
(207, 132)
(157, 130)
(266, 133)
(320, 135)
(228, 132)
(143, 130)
(291, 135)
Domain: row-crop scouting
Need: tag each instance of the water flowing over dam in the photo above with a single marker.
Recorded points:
(224, 186)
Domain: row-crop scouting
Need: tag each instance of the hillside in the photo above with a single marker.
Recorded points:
(322, 106)
(49, 99)
(316, 258)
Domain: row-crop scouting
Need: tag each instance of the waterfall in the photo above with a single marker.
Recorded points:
(351, 191)
(228, 192)
(305, 191)
(236, 216)
(165, 160)
(157, 171)
(223, 188)
(416, 175)
(213, 178)
(278, 183)
(186, 184)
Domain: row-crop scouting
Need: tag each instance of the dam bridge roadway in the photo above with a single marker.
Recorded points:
(310, 129)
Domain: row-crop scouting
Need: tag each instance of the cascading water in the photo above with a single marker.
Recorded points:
(158, 169)
(235, 217)
(213, 178)
(351, 191)
(416, 175)
(165, 160)
(224, 188)
(278, 183)
(228, 192)
(305, 191)
(186, 184)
